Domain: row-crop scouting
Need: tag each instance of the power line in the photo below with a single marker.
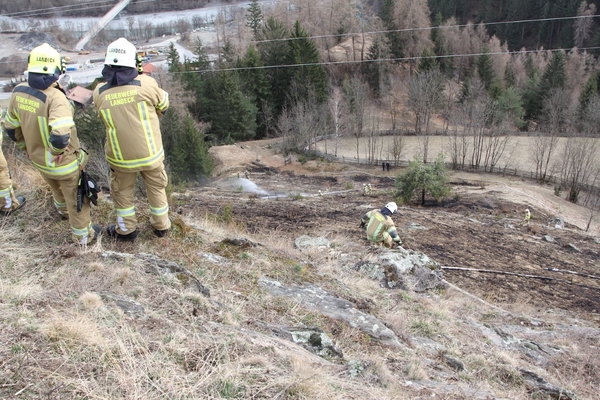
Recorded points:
(383, 60)
(51, 10)
(73, 7)
(430, 28)
(93, 5)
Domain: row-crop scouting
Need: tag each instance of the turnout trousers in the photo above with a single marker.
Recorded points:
(64, 193)
(8, 201)
(122, 184)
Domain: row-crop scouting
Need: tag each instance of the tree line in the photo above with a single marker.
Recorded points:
(308, 71)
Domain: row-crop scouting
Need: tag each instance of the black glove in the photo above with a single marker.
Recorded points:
(87, 188)
(363, 225)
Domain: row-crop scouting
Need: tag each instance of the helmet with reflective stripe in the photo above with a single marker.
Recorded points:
(44, 59)
(122, 53)
(392, 207)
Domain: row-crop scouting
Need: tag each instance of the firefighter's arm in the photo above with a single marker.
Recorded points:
(364, 220)
(12, 127)
(394, 234)
(163, 104)
(60, 120)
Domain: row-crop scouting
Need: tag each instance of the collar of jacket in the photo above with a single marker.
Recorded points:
(118, 76)
(41, 81)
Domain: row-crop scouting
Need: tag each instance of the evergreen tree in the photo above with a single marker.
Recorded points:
(510, 104)
(555, 74)
(509, 76)
(255, 85)
(536, 90)
(303, 51)
(228, 54)
(420, 178)
(394, 42)
(485, 68)
(273, 50)
(428, 61)
(254, 17)
(375, 70)
(440, 48)
(186, 151)
(173, 60)
(589, 91)
(191, 160)
(233, 116)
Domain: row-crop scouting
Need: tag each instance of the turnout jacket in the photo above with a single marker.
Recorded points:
(41, 122)
(130, 113)
(379, 226)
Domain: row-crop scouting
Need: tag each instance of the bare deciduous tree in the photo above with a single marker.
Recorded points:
(555, 117)
(584, 23)
(357, 97)
(425, 97)
(337, 110)
(580, 162)
(412, 15)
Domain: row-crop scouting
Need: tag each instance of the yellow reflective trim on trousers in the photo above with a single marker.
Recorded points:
(145, 120)
(125, 212)
(58, 123)
(142, 162)
(159, 210)
(61, 170)
(82, 232)
(112, 133)
(5, 192)
(59, 205)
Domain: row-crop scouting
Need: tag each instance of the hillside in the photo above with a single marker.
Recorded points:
(281, 297)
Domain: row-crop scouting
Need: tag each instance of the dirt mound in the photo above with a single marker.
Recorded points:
(31, 40)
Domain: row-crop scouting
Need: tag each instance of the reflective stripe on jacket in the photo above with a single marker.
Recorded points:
(379, 226)
(43, 123)
(130, 113)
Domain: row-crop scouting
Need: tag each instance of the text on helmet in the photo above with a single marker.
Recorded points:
(45, 59)
(117, 50)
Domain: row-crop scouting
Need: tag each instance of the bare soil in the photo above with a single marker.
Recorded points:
(481, 226)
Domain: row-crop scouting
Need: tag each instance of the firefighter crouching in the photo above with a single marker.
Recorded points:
(9, 202)
(130, 103)
(40, 120)
(380, 227)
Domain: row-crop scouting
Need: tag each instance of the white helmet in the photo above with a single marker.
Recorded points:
(393, 207)
(122, 53)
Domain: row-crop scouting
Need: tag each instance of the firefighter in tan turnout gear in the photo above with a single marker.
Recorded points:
(380, 227)
(9, 202)
(130, 103)
(40, 120)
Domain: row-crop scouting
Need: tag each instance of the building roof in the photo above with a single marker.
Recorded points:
(148, 69)
(80, 95)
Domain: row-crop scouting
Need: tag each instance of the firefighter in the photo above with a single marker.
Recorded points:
(130, 103)
(40, 120)
(527, 216)
(11, 202)
(380, 227)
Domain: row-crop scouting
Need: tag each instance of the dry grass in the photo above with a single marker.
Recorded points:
(63, 339)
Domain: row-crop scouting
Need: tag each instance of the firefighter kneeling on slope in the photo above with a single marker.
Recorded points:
(380, 227)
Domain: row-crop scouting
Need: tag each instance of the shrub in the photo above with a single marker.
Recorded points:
(422, 178)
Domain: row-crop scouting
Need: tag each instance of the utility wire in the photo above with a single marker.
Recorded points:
(68, 8)
(429, 28)
(382, 60)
